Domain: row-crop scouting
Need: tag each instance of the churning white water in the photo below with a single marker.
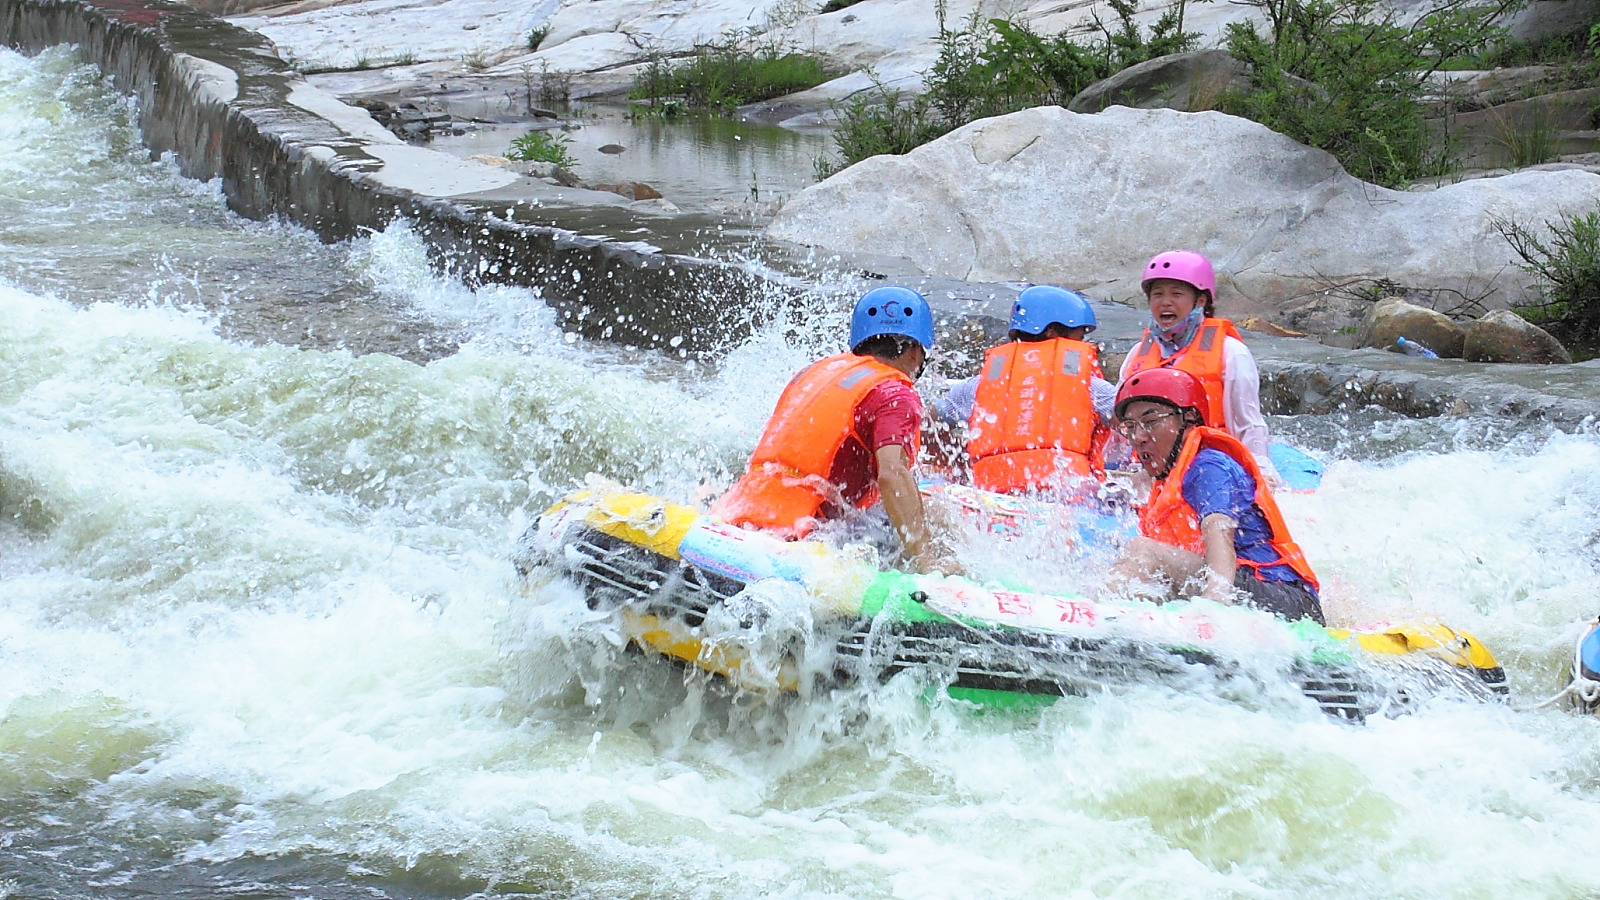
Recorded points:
(260, 637)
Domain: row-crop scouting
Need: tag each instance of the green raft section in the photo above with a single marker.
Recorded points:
(664, 566)
(895, 596)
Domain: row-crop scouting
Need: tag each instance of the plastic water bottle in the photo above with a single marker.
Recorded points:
(1412, 348)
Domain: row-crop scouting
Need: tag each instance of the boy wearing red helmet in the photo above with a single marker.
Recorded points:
(1210, 517)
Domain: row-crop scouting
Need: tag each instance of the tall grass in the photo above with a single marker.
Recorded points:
(1527, 140)
(732, 71)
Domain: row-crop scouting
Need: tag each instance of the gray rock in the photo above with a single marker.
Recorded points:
(1548, 18)
(1334, 315)
(548, 171)
(1050, 196)
(1393, 318)
(1184, 81)
(1504, 336)
(633, 190)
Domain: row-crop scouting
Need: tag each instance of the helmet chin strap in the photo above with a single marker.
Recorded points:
(1177, 447)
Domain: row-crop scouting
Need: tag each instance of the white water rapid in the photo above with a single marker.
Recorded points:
(260, 636)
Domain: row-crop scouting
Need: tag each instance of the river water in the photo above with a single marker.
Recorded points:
(260, 638)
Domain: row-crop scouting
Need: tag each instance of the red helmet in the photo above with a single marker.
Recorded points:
(1162, 385)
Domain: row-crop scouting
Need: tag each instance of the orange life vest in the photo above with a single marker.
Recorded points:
(1201, 357)
(1034, 421)
(1168, 518)
(787, 481)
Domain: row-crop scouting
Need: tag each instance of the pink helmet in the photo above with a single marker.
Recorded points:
(1186, 266)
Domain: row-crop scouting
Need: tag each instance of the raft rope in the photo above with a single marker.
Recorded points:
(1584, 690)
(1587, 692)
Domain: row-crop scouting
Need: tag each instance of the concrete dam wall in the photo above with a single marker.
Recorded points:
(226, 106)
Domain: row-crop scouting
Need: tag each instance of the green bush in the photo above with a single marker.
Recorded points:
(882, 121)
(1344, 76)
(1566, 266)
(542, 146)
(991, 67)
(727, 73)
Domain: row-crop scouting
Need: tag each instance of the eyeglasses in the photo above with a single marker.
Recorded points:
(1130, 427)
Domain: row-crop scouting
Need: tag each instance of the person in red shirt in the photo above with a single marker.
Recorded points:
(845, 435)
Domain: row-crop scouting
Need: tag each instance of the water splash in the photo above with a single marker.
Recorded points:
(260, 631)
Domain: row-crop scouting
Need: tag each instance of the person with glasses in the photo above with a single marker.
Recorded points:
(845, 435)
(1184, 333)
(1038, 412)
(1210, 527)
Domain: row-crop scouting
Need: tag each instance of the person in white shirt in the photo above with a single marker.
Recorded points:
(1183, 333)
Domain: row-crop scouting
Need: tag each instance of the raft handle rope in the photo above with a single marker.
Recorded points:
(1586, 691)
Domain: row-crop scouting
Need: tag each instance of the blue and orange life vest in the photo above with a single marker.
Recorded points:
(1168, 518)
(1033, 423)
(787, 483)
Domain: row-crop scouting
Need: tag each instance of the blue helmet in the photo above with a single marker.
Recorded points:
(1043, 305)
(892, 310)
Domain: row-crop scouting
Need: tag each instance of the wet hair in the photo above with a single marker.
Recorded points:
(885, 346)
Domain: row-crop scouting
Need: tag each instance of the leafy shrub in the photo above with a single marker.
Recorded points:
(728, 72)
(997, 66)
(1566, 266)
(537, 36)
(1511, 53)
(991, 67)
(543, 88)
(883, 121)
(1345, 76)
(542, 146)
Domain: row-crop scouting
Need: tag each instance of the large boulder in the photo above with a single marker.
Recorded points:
(1393, 318)
(1054, 196)
(1187, 81)
(1504, 336)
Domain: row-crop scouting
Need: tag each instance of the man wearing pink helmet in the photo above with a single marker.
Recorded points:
(1183, 333)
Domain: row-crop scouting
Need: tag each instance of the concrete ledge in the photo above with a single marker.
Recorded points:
(221, 101)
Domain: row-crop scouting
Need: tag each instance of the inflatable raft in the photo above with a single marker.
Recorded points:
(693, 589)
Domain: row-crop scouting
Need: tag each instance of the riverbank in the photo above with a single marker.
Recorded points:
(225, 106)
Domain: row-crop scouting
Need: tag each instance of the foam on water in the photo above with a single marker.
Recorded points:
(256, 605)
